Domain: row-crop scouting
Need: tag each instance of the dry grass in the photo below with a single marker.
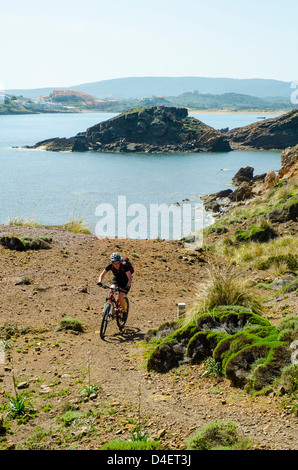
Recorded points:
(77, 225)
(20, 221)
(225, 287)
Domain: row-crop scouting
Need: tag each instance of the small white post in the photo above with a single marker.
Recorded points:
(181, 311)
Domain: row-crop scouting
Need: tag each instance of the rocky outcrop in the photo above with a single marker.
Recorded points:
(251, 352)
(149, 129)
(243, 175)
(278, 133)
(244, 191)
(26, 243)
(289, 163)
(247, 186)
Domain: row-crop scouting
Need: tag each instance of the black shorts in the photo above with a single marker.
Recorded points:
(119, 282)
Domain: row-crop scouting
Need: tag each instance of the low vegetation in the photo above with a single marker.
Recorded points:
(218, 435)
(260, 245)
(226, 328)
(77, 225)
(73, 324)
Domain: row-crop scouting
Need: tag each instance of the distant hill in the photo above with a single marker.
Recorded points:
(230, 101)
(138, 87)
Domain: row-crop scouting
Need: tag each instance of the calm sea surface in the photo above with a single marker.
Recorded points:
(53, 187)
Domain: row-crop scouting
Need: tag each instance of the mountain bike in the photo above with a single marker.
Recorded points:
(112, 310)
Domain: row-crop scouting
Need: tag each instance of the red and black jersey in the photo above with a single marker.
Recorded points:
(120, 277)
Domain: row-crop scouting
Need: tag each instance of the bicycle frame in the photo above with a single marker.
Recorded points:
(113, 300)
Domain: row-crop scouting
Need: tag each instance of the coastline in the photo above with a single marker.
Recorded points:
(191, 111)
(235, 112)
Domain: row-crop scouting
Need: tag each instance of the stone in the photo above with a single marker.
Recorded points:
(244, 191)
(284, 214)
(270, 180)
(22, 385)
(243, 175)
(212, 206)
(289, 163)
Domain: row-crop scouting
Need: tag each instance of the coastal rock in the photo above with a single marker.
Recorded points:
(284, 215)
(149, 129)
(243, 175)
(270, 180)
(212, 206)
(277, 133)
(244, 191)
(289, 162)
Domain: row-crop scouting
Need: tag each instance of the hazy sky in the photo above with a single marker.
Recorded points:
(68, 42)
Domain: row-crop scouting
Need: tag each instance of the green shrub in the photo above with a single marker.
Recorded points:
(214, 434)
(69, 323)
(131, 445)
(288, 381)
(212, 368)
(290, 260)
(69, 417)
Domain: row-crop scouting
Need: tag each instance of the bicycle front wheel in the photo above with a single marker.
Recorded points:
(106, 315)
(121, 320)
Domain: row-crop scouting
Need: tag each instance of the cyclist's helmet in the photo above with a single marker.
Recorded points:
(115, 257)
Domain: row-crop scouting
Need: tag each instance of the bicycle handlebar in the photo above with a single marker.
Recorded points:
(114, 288)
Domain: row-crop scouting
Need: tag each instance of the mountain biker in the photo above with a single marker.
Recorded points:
(122, 277)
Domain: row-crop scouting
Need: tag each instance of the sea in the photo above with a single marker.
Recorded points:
(115, 194)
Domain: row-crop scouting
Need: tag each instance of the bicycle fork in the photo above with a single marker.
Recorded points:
(110, 314)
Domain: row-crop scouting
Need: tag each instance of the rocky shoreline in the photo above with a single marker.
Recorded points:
(249, 187)
(270, 134)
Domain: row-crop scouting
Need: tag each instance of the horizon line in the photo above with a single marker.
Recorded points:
(145, 76)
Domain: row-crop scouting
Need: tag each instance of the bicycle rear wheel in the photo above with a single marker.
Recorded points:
(122, 320)
(107, 310)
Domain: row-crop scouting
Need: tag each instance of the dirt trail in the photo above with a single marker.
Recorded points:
(63, 283)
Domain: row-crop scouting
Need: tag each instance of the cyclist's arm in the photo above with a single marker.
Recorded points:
(129, 277)
(102, 275)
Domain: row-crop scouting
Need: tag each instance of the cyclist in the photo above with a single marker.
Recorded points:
(122, 277)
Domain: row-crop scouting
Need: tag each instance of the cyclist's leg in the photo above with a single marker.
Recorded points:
(121, 295)
(122, 301)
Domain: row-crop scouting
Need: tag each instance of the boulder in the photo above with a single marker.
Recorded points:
(270, 180)
(244, 191)
(284, 214)
(256, 234)
(243, 175)
(212, 206)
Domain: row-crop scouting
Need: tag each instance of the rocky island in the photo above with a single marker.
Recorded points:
(160, 129)
(148, 129)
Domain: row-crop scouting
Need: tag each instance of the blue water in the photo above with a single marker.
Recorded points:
(53, 187)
